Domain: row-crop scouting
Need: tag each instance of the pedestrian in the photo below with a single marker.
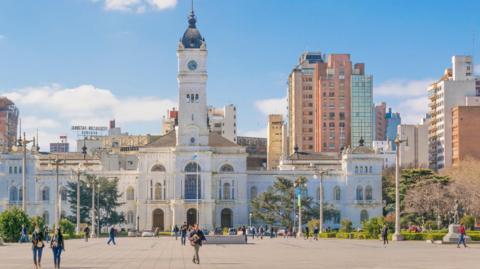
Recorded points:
(86, 233)
(175, 230)
(46, 233)
(315, 233)
(253, 232)
(23, 235)
(260, 232)
(307, 232)
(385, 235)
(37, 247)
(461, 230)
(244, 233)
(111, 236)
(57, 246)
(183, 233)
(196, 238)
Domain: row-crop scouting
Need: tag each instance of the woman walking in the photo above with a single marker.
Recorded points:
(57, 246)
(196, 238)
(37, 247)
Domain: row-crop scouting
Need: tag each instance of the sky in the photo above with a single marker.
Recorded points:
(72, 62)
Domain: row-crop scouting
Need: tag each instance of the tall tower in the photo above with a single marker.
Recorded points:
(192, 81)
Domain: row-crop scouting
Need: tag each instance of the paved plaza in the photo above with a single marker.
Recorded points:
(132, 253)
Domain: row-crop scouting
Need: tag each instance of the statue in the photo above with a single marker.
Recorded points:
(456, 213)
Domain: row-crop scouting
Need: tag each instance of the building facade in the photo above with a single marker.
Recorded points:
(361, 107)
(380, 122)
(274, 140)
(393, 119)
(62, 146)
(465, 133)
(8, 124)
(414, 151)
(223, 121)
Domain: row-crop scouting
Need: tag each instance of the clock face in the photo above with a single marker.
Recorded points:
(192, 65)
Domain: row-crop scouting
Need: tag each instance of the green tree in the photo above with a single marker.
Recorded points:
(11, 221)
(346, 226)
(276, 204)
(67, 227)
(468, 221)
(373, 227)
(36, 220)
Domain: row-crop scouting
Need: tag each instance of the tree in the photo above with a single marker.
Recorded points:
(346, 226)
(106, 200)
(276, 204)
(36, 220)
(373, 226)
(11, 221)
(67, 227)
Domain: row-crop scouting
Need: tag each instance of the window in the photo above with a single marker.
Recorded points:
(356, 169)
(193, 183)
(368, 193)
(336, 193)
(226, 191)
(10, 170)
(253, 192)
(46, 217)
(158, 191)
(45, 194)
(158, 168)
(13, 194)
(226, 168)
(363, 215)
(63, 193)
(188, 98)
(15, 170)
(130, 193)
(359, 193)
(196, 98)
(370, 169)
(130, 217)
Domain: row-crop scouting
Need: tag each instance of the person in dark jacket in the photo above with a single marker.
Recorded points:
(86, 233)
(183, 233)
(111, 236)
(176, 230)
(244, 233)
(385, 234)
(37, 247)
(196, 238)
(307, 232)
(316, 230)
(57, 245)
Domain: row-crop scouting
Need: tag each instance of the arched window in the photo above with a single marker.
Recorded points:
(370, 169)
(193, 182)
(368, 193)
(158, 168)
(226, 168)
(359, 193)
(45, 194)
(363, 215)
(63, 193)
(13, 197)
(130, 217)
(253, 192)
(46, 217)
(20, 194)
(130, 193)
(226, 191)
(336, 193)
(356, 169)
(158, 191)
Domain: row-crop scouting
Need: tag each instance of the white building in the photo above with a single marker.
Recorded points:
(414, 151)
(223, 121)
(384, 149)
(160, 183)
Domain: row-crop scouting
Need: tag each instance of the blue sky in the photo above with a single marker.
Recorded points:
(86, 61)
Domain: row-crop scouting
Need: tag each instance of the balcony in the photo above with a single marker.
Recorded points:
(367, 202)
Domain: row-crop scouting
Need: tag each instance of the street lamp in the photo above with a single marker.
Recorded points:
(299, 185)
(23, 143)
(57, 162)
(250, 219)
(321, 198)
(93, 184)
(397, 236)
(84, 152)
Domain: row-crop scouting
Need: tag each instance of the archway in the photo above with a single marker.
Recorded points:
(158, 218)
(226, 218)
(191, 216)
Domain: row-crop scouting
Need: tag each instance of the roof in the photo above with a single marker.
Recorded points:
(170, 140)
(192, 39)
(363, 150)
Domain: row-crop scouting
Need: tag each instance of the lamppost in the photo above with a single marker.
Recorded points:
(84, 152)
(299, 185)
(397, 236)
(57, 162)
(250, 219)
(195, 156)
(93, 184)
(320, 198)
(23, 143)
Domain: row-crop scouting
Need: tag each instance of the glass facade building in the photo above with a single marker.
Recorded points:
(393, 120)
(362, 110)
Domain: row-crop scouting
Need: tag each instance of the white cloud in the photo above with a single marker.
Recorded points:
(412, 110)
(138, 6)
(272, 106)
(403, 88)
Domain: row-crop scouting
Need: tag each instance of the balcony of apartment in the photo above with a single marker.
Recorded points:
(367, 202)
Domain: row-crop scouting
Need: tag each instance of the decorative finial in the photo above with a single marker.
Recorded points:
(192, 20)
(361, 142)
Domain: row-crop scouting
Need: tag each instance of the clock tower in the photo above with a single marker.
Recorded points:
(192, 81)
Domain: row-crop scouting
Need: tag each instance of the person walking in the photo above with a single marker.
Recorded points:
(196, 239)
(176, 230)
(37, 247)
(385, 235)
(57, 245)
(46, 233)
(253, 232)
(461, 230)
(86, 233)
(183, 233)
(307, 232)
(244, 233)
(111, 236)
(315, 233)
(23, 235)
(260, 232)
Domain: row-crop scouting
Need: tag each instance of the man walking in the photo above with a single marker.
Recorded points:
(461, 230)
(23, 235)
(315, 233)
(196, 238)
(307, 232)
(244, 233)
(183, 233)
(176, 230)
(111, 236)
(86, 233)
(385, 235)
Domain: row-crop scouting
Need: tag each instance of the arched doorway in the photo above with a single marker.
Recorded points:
(158, 218)
(226, 218)
(191, 216)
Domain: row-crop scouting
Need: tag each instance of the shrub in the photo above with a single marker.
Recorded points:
(312, 224)
(36, 220)
(431, 225)
(373, 227)
(11, 221)
(468, 221)
(346, 226)
(67, 227)
(328, 235)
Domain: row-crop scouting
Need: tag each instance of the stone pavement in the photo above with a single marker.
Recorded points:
(132, 253)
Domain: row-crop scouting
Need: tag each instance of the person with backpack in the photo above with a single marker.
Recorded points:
(57, 245)
(37, 247)
(461, 231)
(196, 238)
(183, 233)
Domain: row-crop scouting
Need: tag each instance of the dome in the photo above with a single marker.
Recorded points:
(192, 39)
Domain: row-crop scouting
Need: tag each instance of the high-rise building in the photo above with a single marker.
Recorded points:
(223, 121)
(333, 113)
(380, 122)
(8, 124)
(256, 148)
(170, 121)
(414, 151)
(448, 92)
(274, 142)
(465, 131)
(301, 103)
(62, 146)
(393, 119)
(361, 106)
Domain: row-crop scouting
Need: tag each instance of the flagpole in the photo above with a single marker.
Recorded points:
(198, 212)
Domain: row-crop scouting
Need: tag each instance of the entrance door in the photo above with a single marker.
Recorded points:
(226, 218)
(191, 216)
(158, 218)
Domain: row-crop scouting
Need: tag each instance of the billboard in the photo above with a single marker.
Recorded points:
(86, 131)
